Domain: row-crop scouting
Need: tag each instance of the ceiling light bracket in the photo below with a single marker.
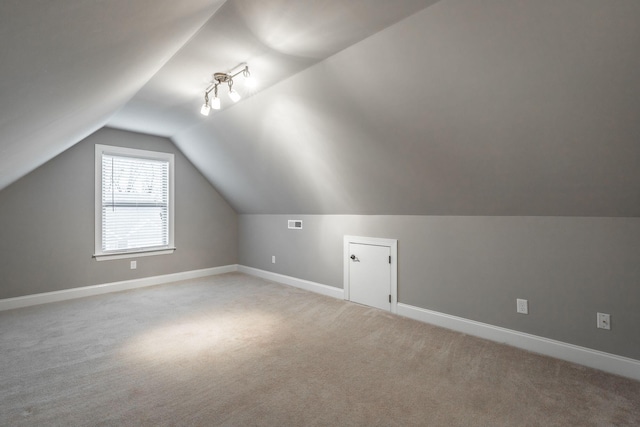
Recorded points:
(220, 78)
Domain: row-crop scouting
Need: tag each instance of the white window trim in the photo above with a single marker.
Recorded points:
(99, 255)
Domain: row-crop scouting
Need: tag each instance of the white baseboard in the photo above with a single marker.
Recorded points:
(318, 288)
(67, 294)
(607, 362)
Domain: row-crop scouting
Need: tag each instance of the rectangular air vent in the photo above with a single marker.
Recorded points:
(295, 224)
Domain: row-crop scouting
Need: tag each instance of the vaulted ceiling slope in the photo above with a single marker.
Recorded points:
(451, 107)
(522, 107)
(67, 65)
(276, 38)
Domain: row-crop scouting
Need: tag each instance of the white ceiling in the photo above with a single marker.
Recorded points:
(456, 107)
(276, 38)
(68, 65)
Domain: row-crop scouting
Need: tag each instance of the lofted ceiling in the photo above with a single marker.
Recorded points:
(451, 107)
(68, 65)
(276, 38)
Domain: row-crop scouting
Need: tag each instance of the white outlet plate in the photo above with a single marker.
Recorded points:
(604, 321)
(134, 265)
(522, 306)
(273, 259)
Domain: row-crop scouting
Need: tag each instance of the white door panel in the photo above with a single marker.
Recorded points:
(370, 275)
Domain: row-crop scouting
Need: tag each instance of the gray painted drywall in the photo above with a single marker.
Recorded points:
(493, 107)
(568, 268)
(47, 223)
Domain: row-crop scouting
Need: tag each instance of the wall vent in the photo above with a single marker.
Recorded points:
(295, 224)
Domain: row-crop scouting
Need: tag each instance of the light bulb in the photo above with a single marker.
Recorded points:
(235, 96)
(250, 82)
(215, 103)
(205, 109)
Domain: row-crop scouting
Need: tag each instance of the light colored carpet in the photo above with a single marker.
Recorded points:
(235, 350)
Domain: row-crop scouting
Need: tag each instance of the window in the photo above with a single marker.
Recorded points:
(134, 203)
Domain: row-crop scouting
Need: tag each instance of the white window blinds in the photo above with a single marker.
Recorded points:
(134, 201)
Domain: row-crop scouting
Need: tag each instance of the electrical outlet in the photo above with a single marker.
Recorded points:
(273, 259)
(604, 321)
(522, 306)
(134, 265)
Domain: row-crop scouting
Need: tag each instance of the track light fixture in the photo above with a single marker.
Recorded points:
(227, 78)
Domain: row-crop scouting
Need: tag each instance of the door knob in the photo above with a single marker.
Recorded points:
(353, 257)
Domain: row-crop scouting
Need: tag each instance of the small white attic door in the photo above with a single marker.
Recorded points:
(370, 272)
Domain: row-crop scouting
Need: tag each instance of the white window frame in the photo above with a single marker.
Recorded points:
(99, 255)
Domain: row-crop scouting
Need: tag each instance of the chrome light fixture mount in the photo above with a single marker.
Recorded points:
(219, 79)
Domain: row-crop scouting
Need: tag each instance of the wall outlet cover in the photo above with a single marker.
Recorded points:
(522, 306)
(604, 321)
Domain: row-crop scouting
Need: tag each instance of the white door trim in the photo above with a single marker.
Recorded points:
(392, 244)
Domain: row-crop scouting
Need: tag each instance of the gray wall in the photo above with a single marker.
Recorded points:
(47, 223)
(568, 268)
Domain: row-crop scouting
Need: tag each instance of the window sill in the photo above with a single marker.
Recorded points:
(136, 254)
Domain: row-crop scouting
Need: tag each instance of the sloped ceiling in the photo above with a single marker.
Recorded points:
(276, 38)
(68, 65)
(456, 107)
(522, 107)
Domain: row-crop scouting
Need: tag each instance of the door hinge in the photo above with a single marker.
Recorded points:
(389, 298)
(389, 259)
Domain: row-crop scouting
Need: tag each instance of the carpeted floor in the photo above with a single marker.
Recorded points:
(235, 350)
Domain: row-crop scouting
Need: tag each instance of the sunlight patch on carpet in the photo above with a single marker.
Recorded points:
(198, 336)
